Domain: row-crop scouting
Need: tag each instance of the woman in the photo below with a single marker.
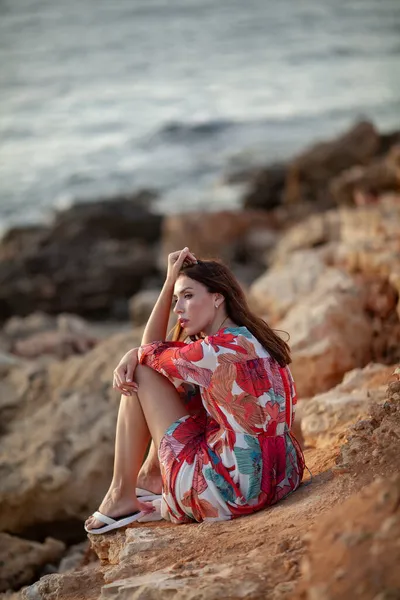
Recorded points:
(230, 454)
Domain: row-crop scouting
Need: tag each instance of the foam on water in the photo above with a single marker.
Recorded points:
(100, 97)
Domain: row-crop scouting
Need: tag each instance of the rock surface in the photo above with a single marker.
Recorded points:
(309, 173)
(285, 284)
(317, 541)
(353, 548)
(41, 334)
(90, 261)
(21, 560)
(218, 234)
(52, 419)
(363, 185)
(307, 176)
(326, 415)
(141, 305)
(329, 333)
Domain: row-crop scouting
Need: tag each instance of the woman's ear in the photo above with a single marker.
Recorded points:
(218, 300)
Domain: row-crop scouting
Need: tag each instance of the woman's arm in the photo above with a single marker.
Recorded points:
(156, 328)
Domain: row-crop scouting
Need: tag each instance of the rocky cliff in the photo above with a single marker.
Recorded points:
(330, 278)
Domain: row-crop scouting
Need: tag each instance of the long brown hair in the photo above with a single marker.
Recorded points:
(218, 278)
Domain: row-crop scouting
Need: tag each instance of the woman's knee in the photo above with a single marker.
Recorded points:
(144, 374)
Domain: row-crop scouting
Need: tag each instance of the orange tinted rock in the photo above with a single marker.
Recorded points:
(329, 334)
(22, 560)
(209, 235)
(309, 174)
(354, 547)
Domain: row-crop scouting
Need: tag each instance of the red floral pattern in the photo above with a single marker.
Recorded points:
(240, 440)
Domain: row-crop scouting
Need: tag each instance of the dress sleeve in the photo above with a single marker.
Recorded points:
(194, 362)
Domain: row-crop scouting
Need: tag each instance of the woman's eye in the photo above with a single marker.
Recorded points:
(188, 295)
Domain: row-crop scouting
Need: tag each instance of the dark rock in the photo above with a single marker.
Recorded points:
(363, 185)
(309, 174)
(90, 262)
(306, 178)
(266, 188)
(119, 218)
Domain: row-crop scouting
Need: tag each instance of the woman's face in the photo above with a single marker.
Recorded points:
(195, 305)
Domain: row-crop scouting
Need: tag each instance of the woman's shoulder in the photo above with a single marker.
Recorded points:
(236, 330)
(236, 333)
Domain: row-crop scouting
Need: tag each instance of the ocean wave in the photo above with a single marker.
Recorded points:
(181, 131)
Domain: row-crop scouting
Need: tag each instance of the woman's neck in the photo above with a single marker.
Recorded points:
(221, 322)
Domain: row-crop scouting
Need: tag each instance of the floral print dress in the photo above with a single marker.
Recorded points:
(236, 454)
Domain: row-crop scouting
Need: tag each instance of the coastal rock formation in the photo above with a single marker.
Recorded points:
(41, 334)
(370, 248)
(21, 560)
(306, 178)
(219, 234)
(318, 541)
(284, 285)
(141, 305)
(57, 438)
(353, 548)
(363, 185)
(313, 232)
(326, 415)
(329, 333)
(266, 187)
(309, 173)
(90, 261)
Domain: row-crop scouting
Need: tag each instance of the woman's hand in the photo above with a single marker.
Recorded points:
(123, 373)
(176, 261)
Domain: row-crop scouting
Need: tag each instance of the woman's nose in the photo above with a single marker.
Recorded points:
(177, 308)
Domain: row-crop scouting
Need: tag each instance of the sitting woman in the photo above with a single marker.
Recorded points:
(229, 455)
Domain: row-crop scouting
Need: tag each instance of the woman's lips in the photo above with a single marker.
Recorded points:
(183, 322)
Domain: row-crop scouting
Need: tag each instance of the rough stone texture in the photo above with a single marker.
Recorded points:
(266, 188)
(363, 185)
(57, 442)
(75, 585)
(374, 442)
(309, 174)
(282, 286)
(354, 549)
(329, 334)
(90, 261)
(370, 248)
(209, 235)
(73, 558)
(141, 305)
(326, 415)
(260, 556)
(21, 560)
(41, 334)
(328, 171)
(371, 239)
(312, 232)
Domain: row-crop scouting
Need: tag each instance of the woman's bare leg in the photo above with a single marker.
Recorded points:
(149, 477)
(150, 412)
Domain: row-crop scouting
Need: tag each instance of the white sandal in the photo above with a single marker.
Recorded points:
(146, 495)
(110, 523)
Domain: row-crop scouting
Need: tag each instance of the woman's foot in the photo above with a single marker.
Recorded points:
(116, 505)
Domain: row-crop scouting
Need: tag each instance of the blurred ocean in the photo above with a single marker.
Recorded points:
(99, 97)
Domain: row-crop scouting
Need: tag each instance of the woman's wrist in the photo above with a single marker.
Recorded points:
(169, 283)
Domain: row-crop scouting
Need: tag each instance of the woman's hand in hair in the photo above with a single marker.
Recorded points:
(176, 260)
(123, 373)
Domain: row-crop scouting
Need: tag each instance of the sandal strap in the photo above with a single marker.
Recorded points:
(103, 518)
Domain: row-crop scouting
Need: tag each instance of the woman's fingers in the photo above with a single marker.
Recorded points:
(129, 372)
